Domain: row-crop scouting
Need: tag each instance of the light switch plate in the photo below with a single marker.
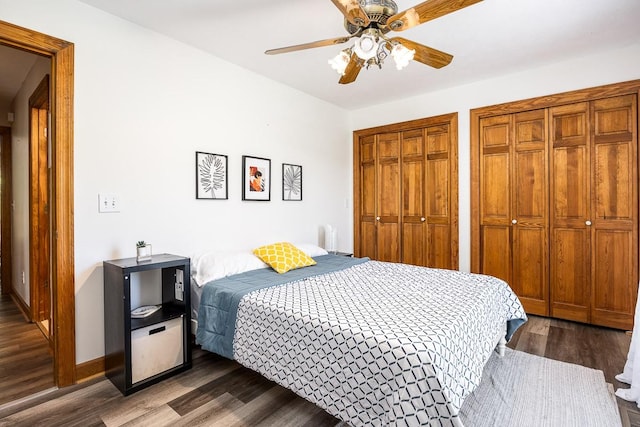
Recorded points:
(108, 203)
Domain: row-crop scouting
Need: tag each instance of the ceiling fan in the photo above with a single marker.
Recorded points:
(369, 21)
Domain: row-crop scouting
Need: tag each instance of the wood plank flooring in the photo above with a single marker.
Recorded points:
(26, 364)
(219, 392)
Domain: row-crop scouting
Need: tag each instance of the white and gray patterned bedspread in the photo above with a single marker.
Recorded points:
(378, 343)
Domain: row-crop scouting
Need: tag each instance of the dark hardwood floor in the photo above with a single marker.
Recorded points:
(219, 392)
(26, 364)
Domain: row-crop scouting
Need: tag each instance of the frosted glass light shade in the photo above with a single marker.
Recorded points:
(339, 63)
(401, 55)
(366, 47)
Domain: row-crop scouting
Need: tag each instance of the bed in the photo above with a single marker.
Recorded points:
(372, 343)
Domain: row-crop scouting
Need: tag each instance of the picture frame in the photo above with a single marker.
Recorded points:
(212, 175)
(256, 178)
(291, 182)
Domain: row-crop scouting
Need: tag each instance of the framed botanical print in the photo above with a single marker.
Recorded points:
(211, 176)
(291, 182)
(256, 178)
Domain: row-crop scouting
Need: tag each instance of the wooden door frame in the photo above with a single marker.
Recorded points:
(61, 54)
(6, 194)
(607, 91)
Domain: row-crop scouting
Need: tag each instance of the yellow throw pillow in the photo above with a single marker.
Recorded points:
(283, 256)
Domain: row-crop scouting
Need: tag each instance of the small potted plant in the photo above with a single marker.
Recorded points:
(143, 251)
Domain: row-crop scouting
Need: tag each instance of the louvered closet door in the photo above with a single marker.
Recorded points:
(388, 197)
(614, 211)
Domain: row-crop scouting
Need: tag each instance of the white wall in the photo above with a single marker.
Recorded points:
(144, 104)
(578, 73)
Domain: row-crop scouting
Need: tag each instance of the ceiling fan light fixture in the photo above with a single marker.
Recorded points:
(402, 56)
(366, 47)
(340, 61)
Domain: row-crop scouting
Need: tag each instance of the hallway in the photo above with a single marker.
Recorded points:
(26, 364)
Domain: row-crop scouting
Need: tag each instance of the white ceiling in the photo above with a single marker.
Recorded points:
(490, 38)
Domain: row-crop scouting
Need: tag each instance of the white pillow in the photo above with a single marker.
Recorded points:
(216, 265)
(311, 249)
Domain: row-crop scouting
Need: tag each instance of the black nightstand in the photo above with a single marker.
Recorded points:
(142, 351)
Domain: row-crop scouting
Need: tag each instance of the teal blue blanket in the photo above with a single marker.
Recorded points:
(220, 298)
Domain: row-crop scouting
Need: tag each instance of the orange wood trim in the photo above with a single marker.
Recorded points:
(63, 265)
(62, 256)
(29, 40)
(589, 94)
(356, 194)
(90, 369)
(474, 191)
(454, 192)
(408, 125)
(40, 96)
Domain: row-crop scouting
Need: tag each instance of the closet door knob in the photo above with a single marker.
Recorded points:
(377, 218)
(514, 221)
(423, 219)
(587, 222)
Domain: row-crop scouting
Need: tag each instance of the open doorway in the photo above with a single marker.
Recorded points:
(60, 206)
(24, 189)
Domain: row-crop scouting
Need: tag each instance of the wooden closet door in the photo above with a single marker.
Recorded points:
(439, 157)
(367, 193)
(530, 272)
(570, 236)
(495, 202)
(614, 215)
(415, 248)
(388, 197)
(406, 192)
(514, 212)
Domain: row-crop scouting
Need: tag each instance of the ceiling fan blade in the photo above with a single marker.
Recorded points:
(352, 10)
(353, 69)
(319, 43)
(426, 11)
(427, 55)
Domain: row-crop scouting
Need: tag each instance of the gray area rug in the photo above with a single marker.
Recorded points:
(524, 390)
